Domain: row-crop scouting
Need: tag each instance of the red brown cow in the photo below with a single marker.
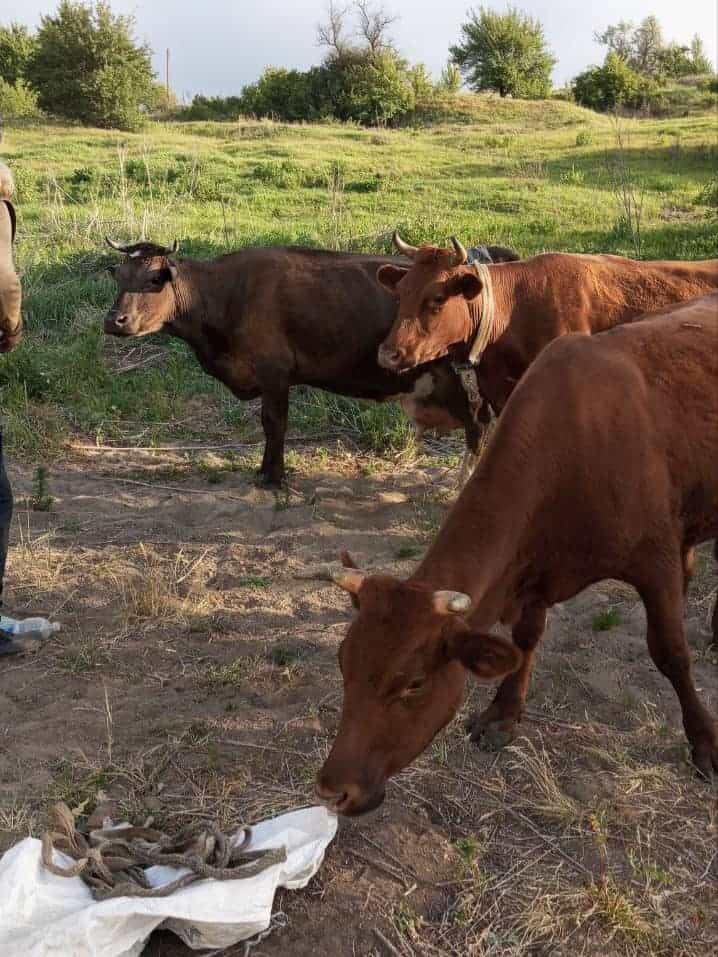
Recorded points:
(263, 320)
(501, 316)
(603, 465)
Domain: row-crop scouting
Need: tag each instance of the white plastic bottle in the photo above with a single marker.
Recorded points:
(38, 628)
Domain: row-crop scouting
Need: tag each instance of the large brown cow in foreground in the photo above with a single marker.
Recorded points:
(263, 320)
(513, 310)
(604, 464)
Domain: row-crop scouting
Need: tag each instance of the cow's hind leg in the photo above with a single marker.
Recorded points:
(496, 725)
(275, 411)
(668, 647)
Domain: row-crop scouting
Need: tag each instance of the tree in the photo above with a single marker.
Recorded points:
(450, 79)
(505, 52)
(699, 59)
(332, 33)
(645, 51)
(618, 38)
(88, 67)
(647, 47)
(16, 48)
(373, 25)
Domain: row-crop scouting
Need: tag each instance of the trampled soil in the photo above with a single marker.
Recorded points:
(195, 678)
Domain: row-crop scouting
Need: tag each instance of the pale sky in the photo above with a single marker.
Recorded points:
(216, 46)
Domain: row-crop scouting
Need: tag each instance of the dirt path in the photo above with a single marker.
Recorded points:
(196, 678)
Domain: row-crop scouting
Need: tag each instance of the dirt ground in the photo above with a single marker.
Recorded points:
(195, 679)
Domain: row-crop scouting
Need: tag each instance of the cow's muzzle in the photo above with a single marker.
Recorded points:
(350, 802)
(119, 324)
(394, 359)
(8, 340)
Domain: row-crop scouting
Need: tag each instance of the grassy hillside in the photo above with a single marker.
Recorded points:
(533, 175)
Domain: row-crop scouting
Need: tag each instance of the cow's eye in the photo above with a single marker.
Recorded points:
(158, 280)
(414, 687)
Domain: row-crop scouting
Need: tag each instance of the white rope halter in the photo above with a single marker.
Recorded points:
(487, 316)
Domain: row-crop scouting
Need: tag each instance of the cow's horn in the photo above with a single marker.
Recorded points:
(404, 248)
(350, 579)
(451, 602)
(120, 247)
(172, 249)
(461, 254)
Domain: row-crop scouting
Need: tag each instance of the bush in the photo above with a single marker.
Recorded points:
(214, 108)
(17, 100)
(611, 85)
(86, 66)
(279, 93)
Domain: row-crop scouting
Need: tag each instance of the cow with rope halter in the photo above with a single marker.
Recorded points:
(497, 318)
(262, 320)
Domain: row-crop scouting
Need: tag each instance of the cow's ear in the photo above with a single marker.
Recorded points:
(466, 284)
(390, 276)
(487, 656)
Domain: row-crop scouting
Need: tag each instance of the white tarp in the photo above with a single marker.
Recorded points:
(44, 915)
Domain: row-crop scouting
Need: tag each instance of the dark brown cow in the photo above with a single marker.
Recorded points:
(603, 465)
(10, 291)
(263, 320)
(445, 308)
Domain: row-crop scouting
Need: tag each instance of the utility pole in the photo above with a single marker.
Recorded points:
(167, 73)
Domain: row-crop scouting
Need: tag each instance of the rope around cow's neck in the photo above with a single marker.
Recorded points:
(485, 334)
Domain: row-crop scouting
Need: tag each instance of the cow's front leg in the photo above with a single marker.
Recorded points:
(275, 410)
(496, 725)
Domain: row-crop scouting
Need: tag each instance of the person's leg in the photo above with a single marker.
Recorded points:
(7, 647)
(6, 503)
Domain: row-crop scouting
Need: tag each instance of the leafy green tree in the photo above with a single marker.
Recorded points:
(505, 52)
(87, 66)
(644, 50)
(611, 85)
(16, 48)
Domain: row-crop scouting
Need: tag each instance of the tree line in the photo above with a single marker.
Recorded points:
(84, 63)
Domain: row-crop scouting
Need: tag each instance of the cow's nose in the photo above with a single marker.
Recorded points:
(390, 357)
(331, 798)
(122, 320)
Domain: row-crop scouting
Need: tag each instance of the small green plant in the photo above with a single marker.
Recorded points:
(409, 548)
(41, 499)
(606, 620)
(584, 138)
(283, 655)
(254, 581)
(468, 849)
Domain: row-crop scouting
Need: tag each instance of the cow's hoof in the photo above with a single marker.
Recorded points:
(705, 759)
(268, 481)
(490, 735)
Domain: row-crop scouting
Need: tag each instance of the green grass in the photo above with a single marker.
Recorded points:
(529, 175)
(606, 620)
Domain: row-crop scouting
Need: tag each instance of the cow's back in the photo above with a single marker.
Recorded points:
(616, 437)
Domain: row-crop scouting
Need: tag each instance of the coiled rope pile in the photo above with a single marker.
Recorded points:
(111, 860)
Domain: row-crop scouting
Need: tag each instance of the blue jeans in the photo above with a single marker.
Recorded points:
(5, 516)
